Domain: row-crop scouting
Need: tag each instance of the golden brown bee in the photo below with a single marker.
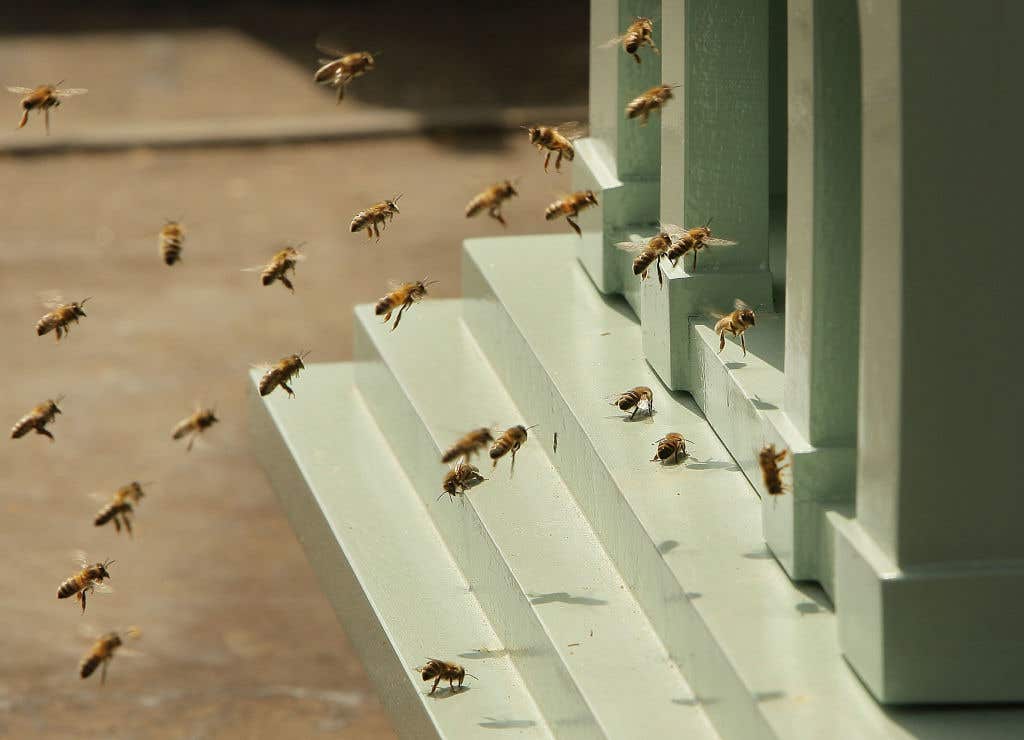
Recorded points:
(403, 296)
(85, 581)
(771, 471)
(670, 447)
(194, 425)
(102, 652)
(43, 98)
(278, 267)
(650, 251)
(639, 33)
(340, 69)
(646, 103)
(119, 510)
(281, 372)
(571, 206)
(442, 670)
(556, 139)
(375, 216)
(460, 479)
(695, 239)
(37, 419)
(60, 318)
(171, 241)
(469, 444)
(512, 439)
(633, 398)
(491, 199)
(735, 323)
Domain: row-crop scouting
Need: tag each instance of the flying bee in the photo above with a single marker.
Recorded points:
(443, 670)
(340, 69)
(102, 652)
(556, 139)
(735, 323)
(402, 297)
(571, 206)
(60, 317)
(281, 372)
(633, 398)
(460, 479)
(639, 33)
(650, 251)
(278, 267)
(375, 217)
(37, 419)
(87, 580)
(491, 199)
(695, 239)
(648, 102)
(510, 441)
(43, 98)
(671, 447)
(771, 471)
(194, 425)
(469, 444)
(119, 509)
(171, 241)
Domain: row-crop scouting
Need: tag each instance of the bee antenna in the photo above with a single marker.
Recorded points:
(58, 82)
(59, 398)
(303, 355)
(108, 562)
(395, 199)
(708, 223)
(533, 427)
(438, 499)
(82, 302)
(470, 674)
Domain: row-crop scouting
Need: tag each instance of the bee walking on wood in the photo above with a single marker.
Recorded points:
(633, 399)
(443, 670)
(194, 425)
(771, 471)
(650, 251)
(570, 207)
(102, 652)
(460, 479)
(171, 241)
(42, 98)
(119, 510)
(60, 318)
(37, 419)
(279, 266)
(491, 199)
(87, 580)
(736, 323)
(647, 102)
(375, 217)
(510, 441)
(340, 69)
(694, 240)
(281, 372)
(402, 297)
(639, 33)
(555, 139)
(671, 447)
(469, 444)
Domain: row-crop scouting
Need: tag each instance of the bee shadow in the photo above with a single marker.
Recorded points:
(448, 692)
(506, 724)
(735, 365)
(668, 546)
(563, 597)
(482, 654)
(713, 465)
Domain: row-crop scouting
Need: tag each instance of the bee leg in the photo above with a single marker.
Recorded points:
(637, 57)
(496, 215)
(58, 334)
(24, 119)
(191, 441)
(574, 226)
(127, 524)
(81, 597)
(103, 671)
(369, 232)
(721, 342)
(399, 316)
(288, 283)
(117, 524)
(661, 280)
(694, 260)
(743, 343)
(376, 230)
(287, 390)
(558, 161)
(46, 117)
(436, 682)
(341, 94)
(512, 470)
(387, 317)
(43, 431)
(635, 409)
(547, 159)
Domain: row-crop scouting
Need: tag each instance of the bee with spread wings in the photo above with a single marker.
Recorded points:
(651, 250)
(87, 580)
(43, 98)
(640, 33)
(339, 69)
(556, 139)
(694, 240)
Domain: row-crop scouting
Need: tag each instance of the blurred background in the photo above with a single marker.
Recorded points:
(208, 113)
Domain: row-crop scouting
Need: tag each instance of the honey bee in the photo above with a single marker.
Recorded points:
(87, 580)
(403, 296)
(340, 69)
(102, 652)
(119, 510)
(194, 425)
(460, 479)
(491, 199)
(556, 139)
(60, 317)
(639, 33)
(650, 251)
(171, 241)
(771, 471)
(633, 398)
(512, 439)
(570, 206)
(648, 102)
(278, 267)
(735, 323)
(695, 239)
(375, 217)
(469, 444)
(442, 670)
(37, 419)
(43, 98)
(281, 372)
(671, 447)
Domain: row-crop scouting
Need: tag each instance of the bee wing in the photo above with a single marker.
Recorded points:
(673, 230)
(254, 268)
(101, 589)
(716, 242)
(51, 299)
(19, 90)
(615, 41)
(572, 129)
(634, 246)
(69, 92)
(741, 305)
(324, 48)
(100, 497)
(80, 558)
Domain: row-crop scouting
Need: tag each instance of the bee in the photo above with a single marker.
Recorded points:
(632, 399)
(650, 251)
(555, 139)
(171, 241)
(468, 444)
(442, 670)
(639, 33)
(194, 425)
(281, 372)
(60, 317)
(119, 510)
(403, 296)
(102, 652)
(771, 471)
(512, 439)
(695, 239)
(735, 323)
(375, 217)
(491, 199)
(460, 479)
(340, 69)
(570, 206)
(671, 447)
(278, 267)
(647, 102)
(87, 580)
(43, 98)
(37, 419)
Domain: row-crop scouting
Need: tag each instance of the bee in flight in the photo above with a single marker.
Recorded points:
(37, 419)
(402, 297)
(556, 139)
(650, 251)
(771, 471)
(60, 317)
(171, 241)
(43, 98)
(735, 323)
(460, 479)
(670, 447)
(102, 652)
(119, 509)
(278, 267)
(633, 399)
(443, 670)
(512, 439)
(194, 425)
(491, 199)
(469, 444)
(639, 33)
(694, 240)
(570, 207)
(647, 102)
(375, 217)
(281, 372)
(339, 68)
(88, 579)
